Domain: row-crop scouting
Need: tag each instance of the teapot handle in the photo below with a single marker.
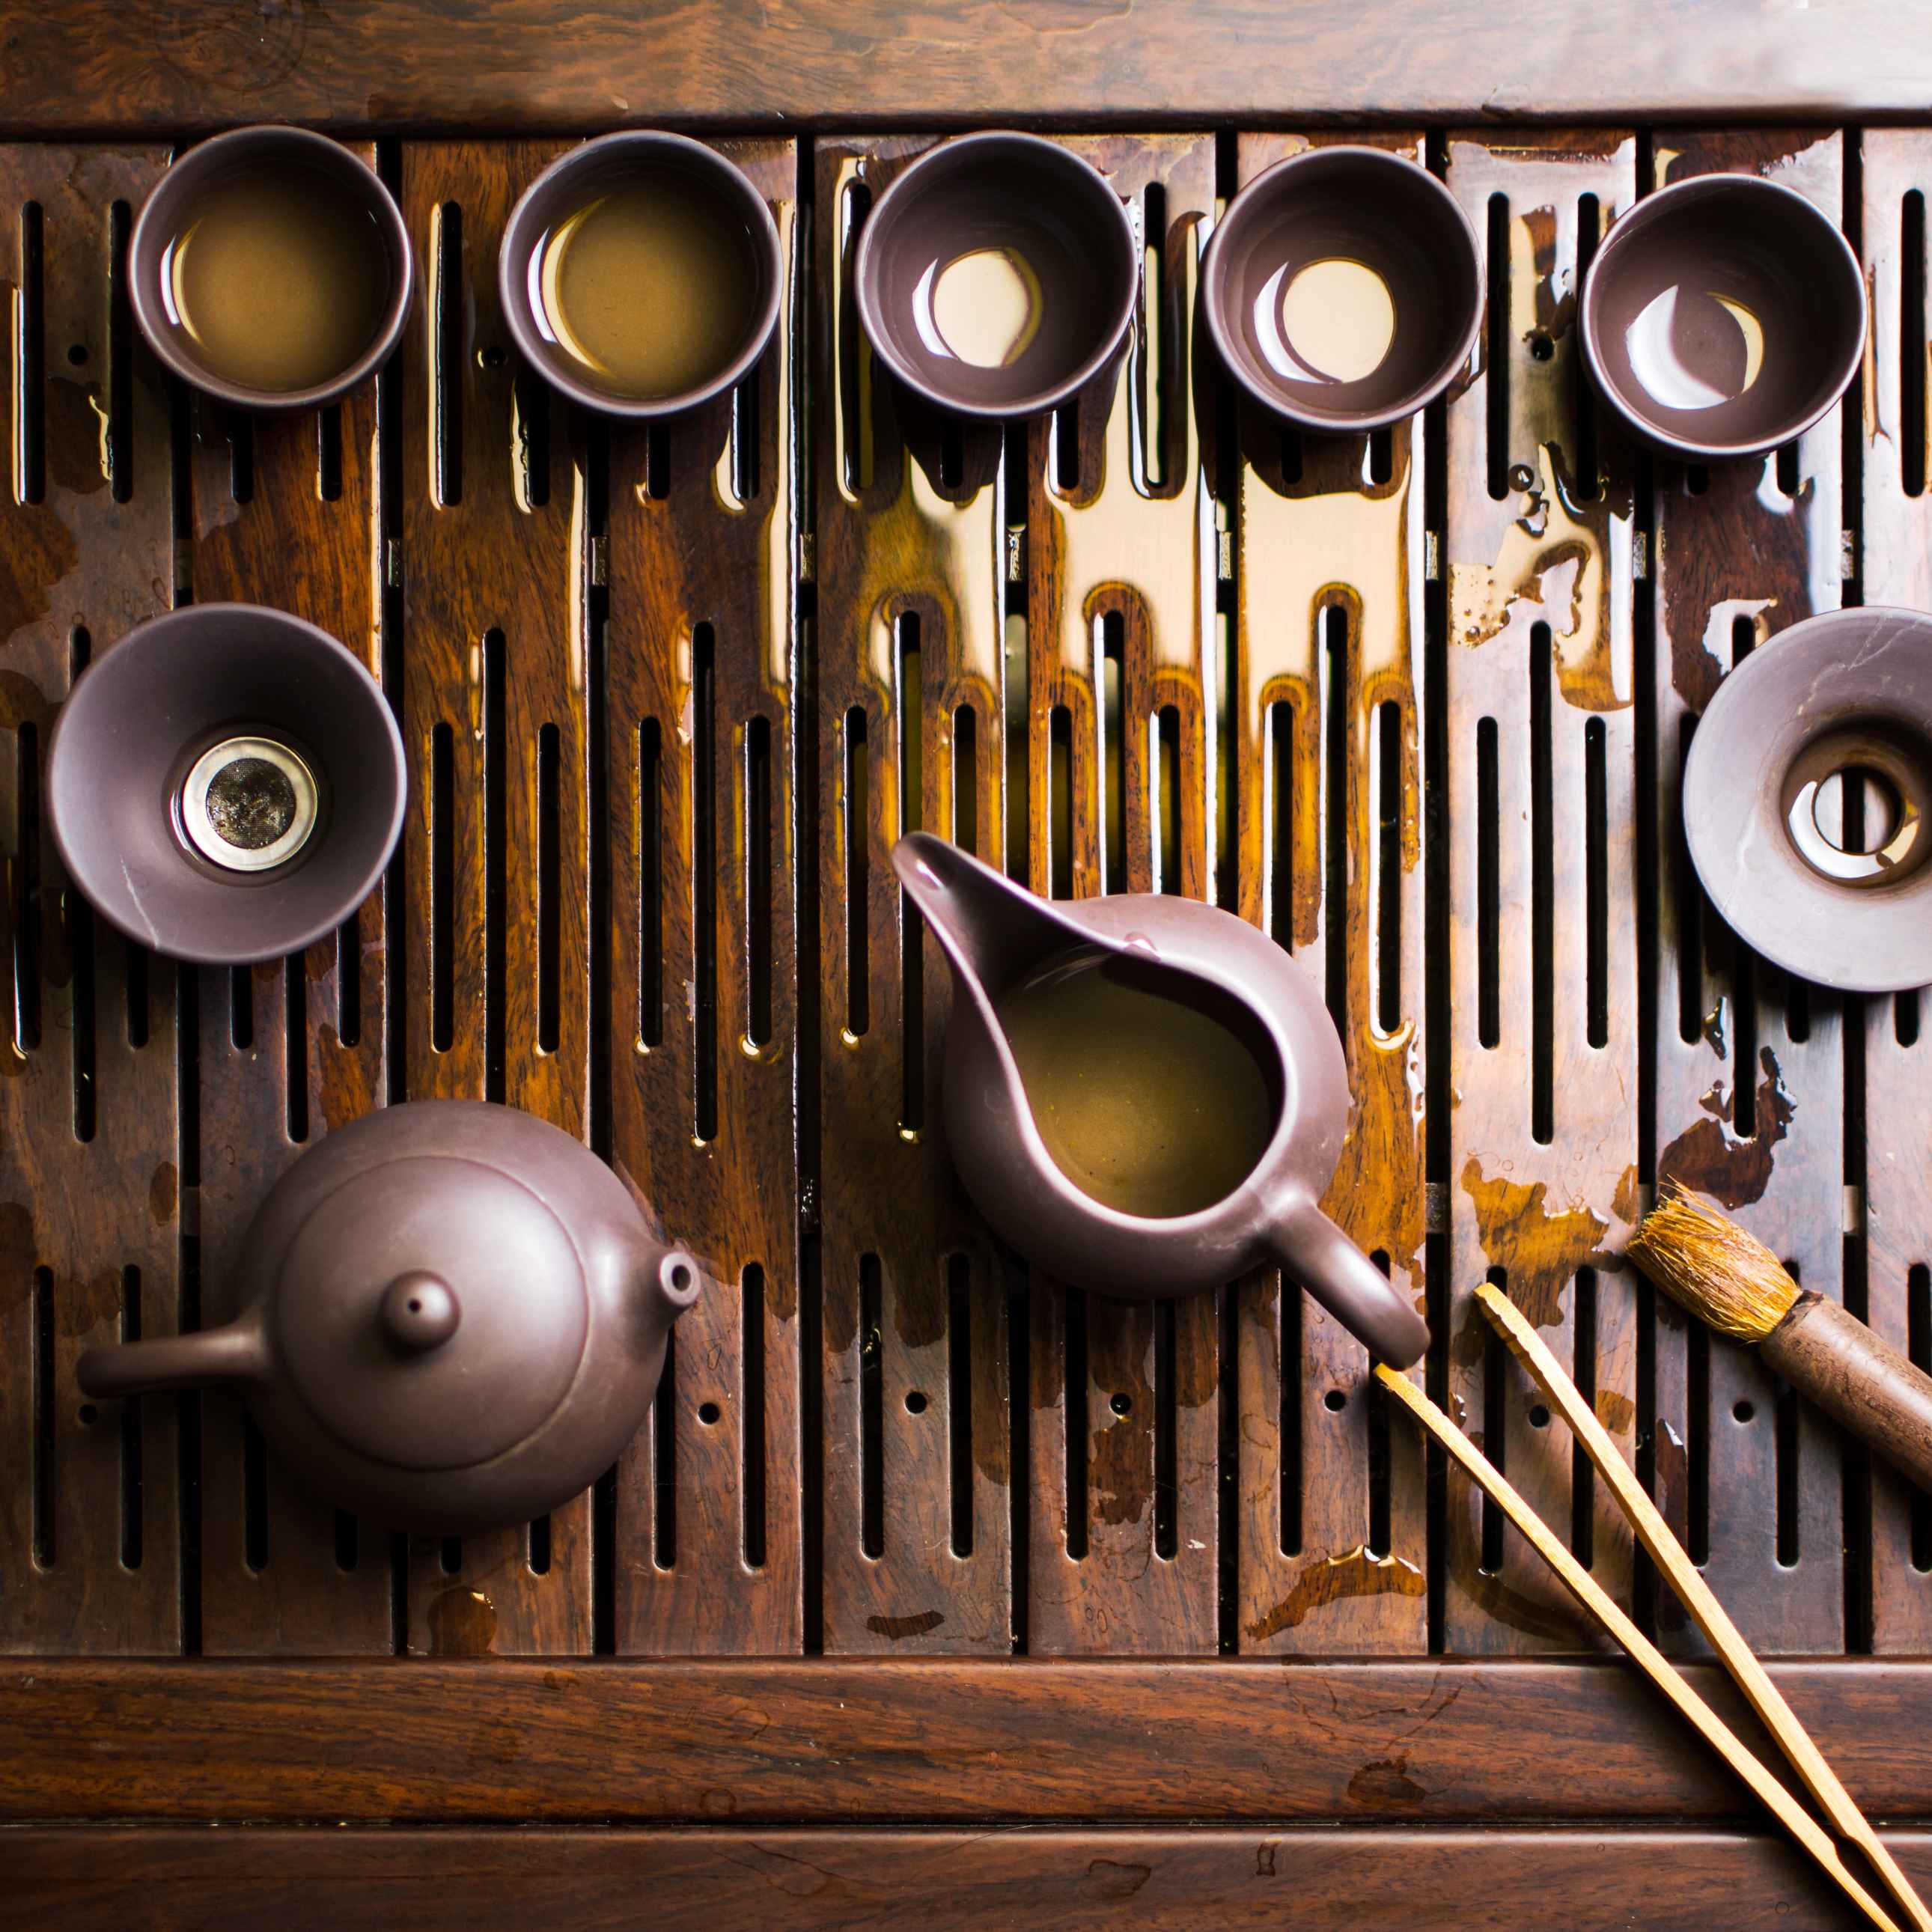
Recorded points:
(1348, 1284)
(237, 1353)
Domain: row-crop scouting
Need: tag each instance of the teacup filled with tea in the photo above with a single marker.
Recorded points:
(270, 267)
(639, 274)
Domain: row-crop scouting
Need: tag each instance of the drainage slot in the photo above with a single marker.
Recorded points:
(1583, 1371)
(751, 1410)
(130, 1429)
(40, 1346)
(966, 778)
(663, 1461)
(1496, 358)
(1167, 800)
(1911, 425)
(1060, 800)
(1113, 752)
(446, 311)
(1542, 892)
(1293, 1380)
(871, 1409)
(1597, 884)
(909, 721)
(1166, 1436)
(120, 359)
(1335, 811)
(647, 817)
(1279, 778)
(704, 874)
(1388, 868)
(758, 882)
(30, 375)
(858, 948)
(1495, 1431)
(443, 886)
(496, 863)
(1488, 924)
(549, 760)
(959, 1396)
(1074, 1307)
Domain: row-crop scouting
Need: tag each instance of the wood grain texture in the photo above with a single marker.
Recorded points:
(496, 630)
(909, 642)
(1325, 732)
(1259, 1877)
(908, 1740)
(1121, 667)
(549, 64)
(1539, 616)
(1750, 1082)
(700, 653)
(90, 1160)
(287, 1050)
(1896, 568)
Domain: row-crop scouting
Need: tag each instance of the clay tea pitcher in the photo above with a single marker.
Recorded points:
(1144, 1094)
(456, 1318)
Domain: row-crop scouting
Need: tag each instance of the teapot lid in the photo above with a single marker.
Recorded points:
(432, 1311)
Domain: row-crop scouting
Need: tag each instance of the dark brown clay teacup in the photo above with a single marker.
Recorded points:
(1723, 316)
(996, 274)
(1838, 700)
(1144, 1094)
(226, 784)
(640, 273)
(271, 268)
(1343, 289)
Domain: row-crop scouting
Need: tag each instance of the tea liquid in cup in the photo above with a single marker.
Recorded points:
(650, 286)
(278, 279)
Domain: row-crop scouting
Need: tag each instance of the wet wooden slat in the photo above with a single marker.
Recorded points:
(702, 557)
(901, 554)
(1318, 535)
(273, 1575)
(1187, 1881)
(99, 1215)
(495, 553)
(1896, 568)
(894, 1741)
(1118, 562)
(1543, 562)
(1739, 557)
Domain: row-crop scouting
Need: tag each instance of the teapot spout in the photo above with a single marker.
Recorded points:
(237, 1353)
(992, 930)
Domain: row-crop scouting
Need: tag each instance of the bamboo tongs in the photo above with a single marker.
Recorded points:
(1684, 1578)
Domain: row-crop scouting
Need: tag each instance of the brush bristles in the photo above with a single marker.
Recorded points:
(1705, 1261)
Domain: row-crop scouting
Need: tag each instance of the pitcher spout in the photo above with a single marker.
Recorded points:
(993, 931)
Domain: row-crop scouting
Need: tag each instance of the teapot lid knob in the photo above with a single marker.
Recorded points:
(420, 1311)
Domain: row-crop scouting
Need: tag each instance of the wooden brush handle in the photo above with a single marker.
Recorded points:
(1859, 1379)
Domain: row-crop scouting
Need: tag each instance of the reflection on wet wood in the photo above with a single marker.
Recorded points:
(90, 1160)
(1325, 736)
(1542, 881)
(287, 1049)
(1121, 665)
(1896, 568)
(911, 718)
(699, 658)
(1749, 1101)
(495, 690)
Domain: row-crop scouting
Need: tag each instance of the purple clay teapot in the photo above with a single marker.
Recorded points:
(456, 1319)
(1144, 1094)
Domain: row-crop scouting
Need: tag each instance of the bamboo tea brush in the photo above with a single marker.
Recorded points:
(1708, 1264)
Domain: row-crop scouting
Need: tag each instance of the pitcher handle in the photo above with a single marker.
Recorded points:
(1348, 1284)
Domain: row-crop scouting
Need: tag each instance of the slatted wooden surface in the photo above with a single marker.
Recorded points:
(1417, 704)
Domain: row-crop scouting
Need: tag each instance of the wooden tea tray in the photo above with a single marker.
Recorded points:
(930, 1591)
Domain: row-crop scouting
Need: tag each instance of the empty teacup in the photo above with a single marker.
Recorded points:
(271, 268)
(640, 274)
(1723, 316)
(996, 274)
(226, 784)
(1343, 289)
